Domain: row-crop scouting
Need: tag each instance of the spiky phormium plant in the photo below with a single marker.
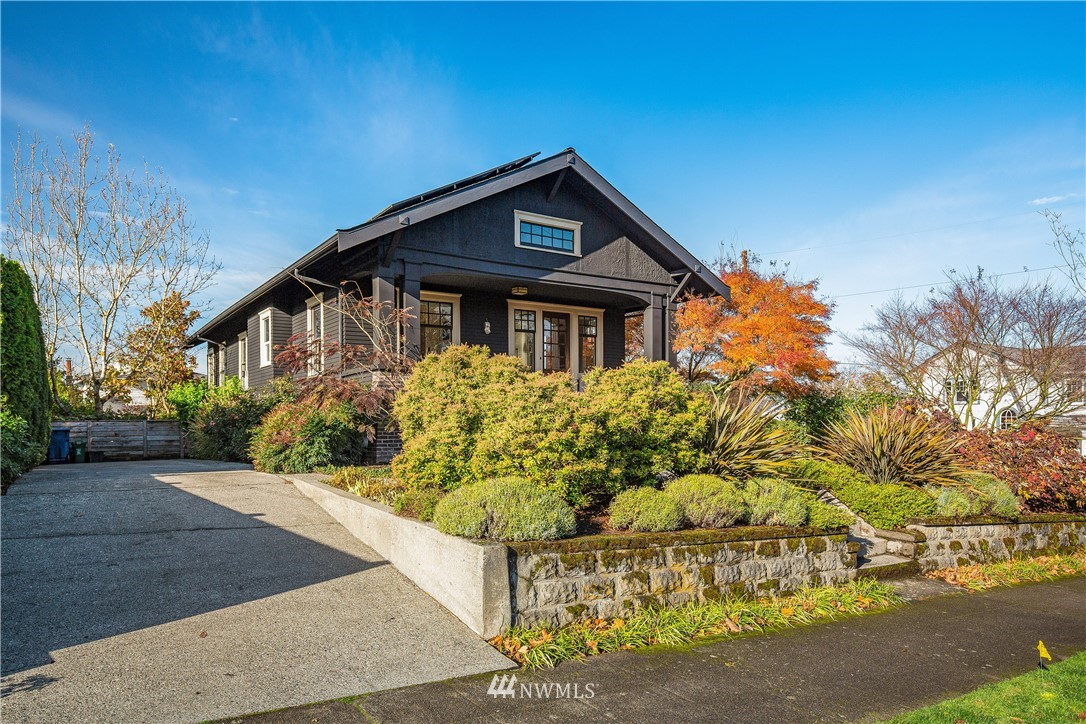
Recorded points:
(745, 440)
(894, 446)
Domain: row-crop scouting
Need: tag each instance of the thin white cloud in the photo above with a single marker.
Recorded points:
(33, 115)
(229, 191)
(1044, 200)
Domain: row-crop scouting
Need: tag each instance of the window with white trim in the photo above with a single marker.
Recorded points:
(265, 325)
(547, 233)
(314, 330)
(555, 338)
(243, 359)
(439, 322)
(1007, 419)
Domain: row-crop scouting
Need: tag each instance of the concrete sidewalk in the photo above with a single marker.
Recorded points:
(860, 669)
(178, 591)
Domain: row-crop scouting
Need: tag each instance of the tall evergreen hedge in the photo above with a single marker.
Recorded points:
(24, 375)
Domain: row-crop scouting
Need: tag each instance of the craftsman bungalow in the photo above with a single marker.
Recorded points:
(539, 259)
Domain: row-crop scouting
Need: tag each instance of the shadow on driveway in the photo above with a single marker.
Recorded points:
(91, 551)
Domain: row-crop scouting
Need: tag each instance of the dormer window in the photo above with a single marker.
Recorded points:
(547, 233)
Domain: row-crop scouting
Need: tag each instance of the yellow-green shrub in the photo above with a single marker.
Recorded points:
(709, 501)
(646, 509)
(512, 509)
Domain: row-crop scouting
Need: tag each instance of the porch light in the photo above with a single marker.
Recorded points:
(520, 291)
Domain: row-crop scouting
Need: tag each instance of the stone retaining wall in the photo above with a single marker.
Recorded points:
(949, 543)
(605, 576)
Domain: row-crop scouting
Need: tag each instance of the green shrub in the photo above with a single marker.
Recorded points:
(513, 509)
(299, 437)
(646, 509)
(745, 439)
(224, 424)
(642, 420)
(185, 399)
(375, 483)
(985, 495)
(467, 416)
(894, 446)
(825, 516)
(883, 505)
(775, 502)
(955, 502)
(997, 496)
(18, 453)
(24, 372)
(709, 501)
(421, 503)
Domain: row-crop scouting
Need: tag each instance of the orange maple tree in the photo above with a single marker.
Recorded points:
(771, 333)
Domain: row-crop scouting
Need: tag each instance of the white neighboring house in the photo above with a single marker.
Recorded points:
(996, 389)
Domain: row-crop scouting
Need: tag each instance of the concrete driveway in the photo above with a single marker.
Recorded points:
(181, 590)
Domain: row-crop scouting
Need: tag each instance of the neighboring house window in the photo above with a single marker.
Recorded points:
(314, 329)
(960, 390)
(243, 359)
(439, 322)
(265, 338)
(547, 233)
(1007, 418)
(555, 338)
(1076, 390)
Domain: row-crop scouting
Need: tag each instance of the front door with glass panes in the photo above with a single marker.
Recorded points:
(556, 340)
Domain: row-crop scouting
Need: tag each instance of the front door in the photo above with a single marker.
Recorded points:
(555, 342)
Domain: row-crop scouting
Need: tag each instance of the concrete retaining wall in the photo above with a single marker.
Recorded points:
(468, 578)
(606, 576)
(948, 543)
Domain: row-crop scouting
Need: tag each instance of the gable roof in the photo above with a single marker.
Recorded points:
(480, 186)
(465, 191)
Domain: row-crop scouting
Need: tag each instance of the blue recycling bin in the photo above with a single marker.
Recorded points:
(59, 445)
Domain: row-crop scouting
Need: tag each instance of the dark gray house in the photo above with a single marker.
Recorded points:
(540, 259)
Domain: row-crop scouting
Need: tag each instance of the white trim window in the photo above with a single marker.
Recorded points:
(1008, 419)
(547, 233)
(265, 326)
(554, 337)
(314, 332)
(243, 359)
(439, 322)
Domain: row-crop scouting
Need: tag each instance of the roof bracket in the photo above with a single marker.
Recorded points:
(679, 289)
(393, 244)
(557, 184)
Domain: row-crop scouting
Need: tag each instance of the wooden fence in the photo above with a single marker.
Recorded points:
(127, 439)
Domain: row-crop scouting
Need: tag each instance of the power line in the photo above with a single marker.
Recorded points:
(945, 281)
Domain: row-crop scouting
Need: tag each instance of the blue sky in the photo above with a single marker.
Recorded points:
(871, 145)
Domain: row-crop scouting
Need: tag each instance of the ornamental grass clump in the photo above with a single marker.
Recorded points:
(507, 509)
(709, 501)
(775, 502)
(745, 439)
(374, 483)
(545, 646)
(894, 446)
(646, 509)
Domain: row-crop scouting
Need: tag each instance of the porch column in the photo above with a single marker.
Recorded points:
(655, 329)
(384, 293)
(669, 338)
(412, 288)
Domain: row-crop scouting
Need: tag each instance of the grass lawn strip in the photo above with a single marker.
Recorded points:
(544, 647)
(1060, 695)
(982, 576)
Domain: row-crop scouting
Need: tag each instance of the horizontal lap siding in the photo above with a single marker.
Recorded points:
(614, 337)
(475, 311)
(232, 358)
(282, 324)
